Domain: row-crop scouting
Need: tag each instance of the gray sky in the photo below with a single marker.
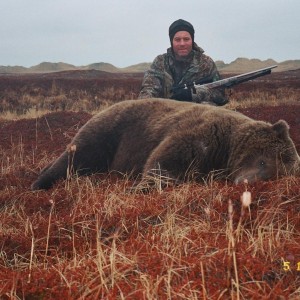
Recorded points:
(127, 32)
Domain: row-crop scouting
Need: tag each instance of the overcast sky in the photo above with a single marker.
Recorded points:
(128, 32)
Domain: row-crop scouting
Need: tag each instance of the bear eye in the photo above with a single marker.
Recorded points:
(262, 163)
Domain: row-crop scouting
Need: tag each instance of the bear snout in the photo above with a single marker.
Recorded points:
(259, 170)
(251, 177)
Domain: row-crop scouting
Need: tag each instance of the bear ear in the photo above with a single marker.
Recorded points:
(281, 128)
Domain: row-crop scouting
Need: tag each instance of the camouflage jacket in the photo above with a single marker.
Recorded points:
(166, 72)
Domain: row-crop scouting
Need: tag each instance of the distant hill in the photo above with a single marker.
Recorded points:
(45, 67)
(142, 67)
(240, 65)
(14, 69)
(102, 67)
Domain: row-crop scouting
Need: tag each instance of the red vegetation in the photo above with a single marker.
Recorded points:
(90, 238)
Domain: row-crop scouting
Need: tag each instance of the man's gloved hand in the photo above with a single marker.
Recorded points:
(182, 95)
(205, 95)
(202, 94)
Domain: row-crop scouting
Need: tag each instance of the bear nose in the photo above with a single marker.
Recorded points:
(242, 178)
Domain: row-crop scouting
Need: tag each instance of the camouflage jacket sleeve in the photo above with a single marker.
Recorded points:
(154, 80)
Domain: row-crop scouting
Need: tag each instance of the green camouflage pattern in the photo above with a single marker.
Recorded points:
(166, 72)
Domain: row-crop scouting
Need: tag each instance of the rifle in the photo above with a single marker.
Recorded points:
(227, 82)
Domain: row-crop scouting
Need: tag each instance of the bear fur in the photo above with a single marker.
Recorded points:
(176, 139)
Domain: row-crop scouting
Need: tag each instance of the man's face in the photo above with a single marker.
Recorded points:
(182, 44)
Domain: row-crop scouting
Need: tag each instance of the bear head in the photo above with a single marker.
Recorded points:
(262, 151)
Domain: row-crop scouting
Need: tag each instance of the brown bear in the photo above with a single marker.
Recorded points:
(174, 139)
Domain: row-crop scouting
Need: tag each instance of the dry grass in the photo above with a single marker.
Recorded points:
(95, 238)
(92, 239)
(261, 98)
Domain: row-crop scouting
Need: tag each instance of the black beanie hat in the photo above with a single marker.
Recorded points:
(181, 25)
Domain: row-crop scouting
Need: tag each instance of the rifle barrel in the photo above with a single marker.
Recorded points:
(228, 82)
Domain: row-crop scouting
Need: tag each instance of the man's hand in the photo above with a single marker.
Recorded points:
(202, 94)
(205, 95)
(182, 95)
